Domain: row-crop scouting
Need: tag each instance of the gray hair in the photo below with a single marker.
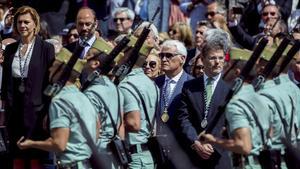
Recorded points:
(129, 12)
(152, 28)
(216, 39)
(180, 48)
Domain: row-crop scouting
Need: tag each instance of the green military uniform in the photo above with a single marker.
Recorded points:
(62, 108)
(102, 89)
(239, 115)
(280, 98)
(142, 158)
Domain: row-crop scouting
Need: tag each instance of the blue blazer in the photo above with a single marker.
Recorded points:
(160, 81)
(190, 114)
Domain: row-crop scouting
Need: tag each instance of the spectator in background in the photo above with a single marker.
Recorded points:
(197, 68)
(152, 66)
(182, 32)
(123, 20)
(25, 76)
(72, 35)
(202, 27)
(195, 9)
(86, 24)
(269, 15)
(294, 72)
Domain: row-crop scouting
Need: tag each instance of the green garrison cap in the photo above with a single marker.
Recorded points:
(239, 54)
(145, 49)
(64, 56)
(103, 46)
(270, 50)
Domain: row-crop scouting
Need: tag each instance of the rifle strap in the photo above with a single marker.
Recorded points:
(140, 99)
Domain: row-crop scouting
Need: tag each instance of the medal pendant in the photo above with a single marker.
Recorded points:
(165, 116)
(22, 87)
(204, 123)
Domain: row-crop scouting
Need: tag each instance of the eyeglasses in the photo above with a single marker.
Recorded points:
(267, 13)
(212, 14)
(152, 64)
(215, 58)
(74, 35)
(121, 19)
(199, 67)
(167, 55)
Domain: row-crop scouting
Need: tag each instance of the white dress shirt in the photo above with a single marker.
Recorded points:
(175, 79)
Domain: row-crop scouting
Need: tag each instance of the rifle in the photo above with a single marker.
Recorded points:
(289, 56)
(126, 68)
(238, 82)
(105, 66)
(52, 89)
(269, 67)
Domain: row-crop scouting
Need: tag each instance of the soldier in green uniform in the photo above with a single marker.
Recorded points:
(248, 118)
(67, 140)
(137, 129)
(283, 98)
(107, 101)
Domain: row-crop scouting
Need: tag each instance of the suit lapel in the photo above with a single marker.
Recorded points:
(34, 57)
(197, 97)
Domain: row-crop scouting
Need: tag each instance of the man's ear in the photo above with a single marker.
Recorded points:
(95, 64)
(237, 72)
(182, 59)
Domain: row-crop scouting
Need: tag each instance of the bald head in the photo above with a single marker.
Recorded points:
(86, 22)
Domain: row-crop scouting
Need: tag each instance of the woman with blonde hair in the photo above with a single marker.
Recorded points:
(152, 66)
(182, 32)
(25, 76)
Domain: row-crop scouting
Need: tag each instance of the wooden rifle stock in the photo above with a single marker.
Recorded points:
(271, 64)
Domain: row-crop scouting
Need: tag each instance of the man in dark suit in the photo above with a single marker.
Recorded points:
(173, 54)
(199, 102)
(86, 24)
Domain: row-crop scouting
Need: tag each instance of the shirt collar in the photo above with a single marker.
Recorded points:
(216, 78)
(175, 78)
(89, 41)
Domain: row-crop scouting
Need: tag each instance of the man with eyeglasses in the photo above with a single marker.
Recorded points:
(123, 20)
(173, 54)
(86, 25)
(199, 101)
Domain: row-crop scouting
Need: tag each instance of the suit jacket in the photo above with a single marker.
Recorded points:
(169, 129)
(190, 114)
(37, 80)
(160, 81)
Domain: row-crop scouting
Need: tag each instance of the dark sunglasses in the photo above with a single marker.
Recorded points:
(212, 14)
(201, 33)
(74, 35)
(167, 55)
(200, 67)
(173, 32)
(121, 19)
(267, 13)
(152, 64)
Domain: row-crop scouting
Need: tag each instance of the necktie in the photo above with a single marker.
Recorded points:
(209, 85)
(167, 91)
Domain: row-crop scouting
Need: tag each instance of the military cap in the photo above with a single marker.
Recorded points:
(145, 49)
(269, 51)
(64, 56)
(239, 54)
(103, 46)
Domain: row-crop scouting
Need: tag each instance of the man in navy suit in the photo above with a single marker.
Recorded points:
(200, 99)
(173, 54)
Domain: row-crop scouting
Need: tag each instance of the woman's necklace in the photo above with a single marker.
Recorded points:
(22, 68)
